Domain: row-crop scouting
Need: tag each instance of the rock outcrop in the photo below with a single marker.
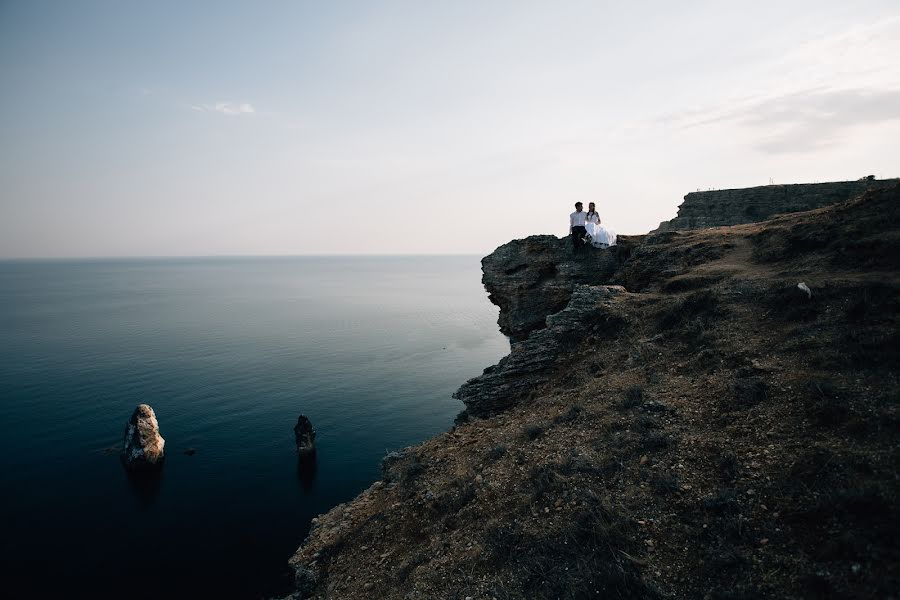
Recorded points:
(590, 312)
(534, 277)
(714, 431)
(143, 448)
(751, 205)
(305, 436)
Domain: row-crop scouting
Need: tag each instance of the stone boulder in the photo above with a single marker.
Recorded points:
(143, 448)
(305, 436)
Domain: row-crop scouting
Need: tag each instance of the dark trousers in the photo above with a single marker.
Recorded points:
(578, 233)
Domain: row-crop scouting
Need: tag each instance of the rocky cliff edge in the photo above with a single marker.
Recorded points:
(697, 426)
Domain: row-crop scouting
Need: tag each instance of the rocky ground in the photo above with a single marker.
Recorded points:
(707, 429)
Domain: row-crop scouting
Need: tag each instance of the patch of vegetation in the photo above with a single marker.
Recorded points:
(749, 391)
(728, 466)
(656, 441)
(703, 304)
(496, 453)
(456, 495)
(685, 284)
(663, 483)
(787, 302)
(570, 415)
(587, 556)
(871, 347)
(645, 423)
(873, 303)
(544, 479)
(533, 432)
(634, 396)
(824, 403)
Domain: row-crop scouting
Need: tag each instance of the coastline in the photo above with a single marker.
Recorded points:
(605, 428)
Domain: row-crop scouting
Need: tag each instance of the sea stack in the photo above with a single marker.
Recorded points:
(143, 448)
(305, 436)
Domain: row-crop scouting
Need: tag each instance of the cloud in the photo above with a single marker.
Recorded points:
(798, 121)
(814, 94)
(226, 108)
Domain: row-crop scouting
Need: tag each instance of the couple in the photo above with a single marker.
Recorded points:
(586, 229)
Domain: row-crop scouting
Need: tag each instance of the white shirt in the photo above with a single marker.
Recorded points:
(576, 219)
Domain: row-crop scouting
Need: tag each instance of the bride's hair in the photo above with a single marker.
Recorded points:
(592, 209)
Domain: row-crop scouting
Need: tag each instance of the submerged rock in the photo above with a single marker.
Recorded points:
(305, 436)
(143, 447)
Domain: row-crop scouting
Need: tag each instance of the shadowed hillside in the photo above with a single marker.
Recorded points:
(695, 425)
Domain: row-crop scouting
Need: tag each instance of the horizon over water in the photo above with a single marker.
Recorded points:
(228, 351)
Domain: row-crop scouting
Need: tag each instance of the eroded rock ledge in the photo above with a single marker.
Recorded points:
(589, 312)
(534, 277)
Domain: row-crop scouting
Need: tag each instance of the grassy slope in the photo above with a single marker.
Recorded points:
(736, 439)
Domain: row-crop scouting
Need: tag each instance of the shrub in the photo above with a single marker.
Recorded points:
(704, 303)
(496, 453)
(634, 395)
(728, 466)
(749, 391)
(570, 415)
(584, 557)
(533, 432)
(824, 404)
(664, 483)
(656, 441)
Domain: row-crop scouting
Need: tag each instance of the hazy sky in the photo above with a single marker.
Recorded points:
(191, 128)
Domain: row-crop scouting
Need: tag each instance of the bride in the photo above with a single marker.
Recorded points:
(598, 235)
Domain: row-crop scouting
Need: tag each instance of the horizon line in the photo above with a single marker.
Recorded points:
(226, 256)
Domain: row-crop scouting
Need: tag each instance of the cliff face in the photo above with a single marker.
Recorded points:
(532, 278)
(751, 205)
(707, 428)
(589, 313)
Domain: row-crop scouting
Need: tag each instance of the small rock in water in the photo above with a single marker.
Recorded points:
(305, 436)
(143, 448)
(190, 451)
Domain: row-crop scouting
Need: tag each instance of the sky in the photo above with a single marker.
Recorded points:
(420, 127)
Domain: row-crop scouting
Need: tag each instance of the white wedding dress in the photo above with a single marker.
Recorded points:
(601, 237)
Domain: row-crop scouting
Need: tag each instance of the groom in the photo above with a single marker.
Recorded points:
(576, 227)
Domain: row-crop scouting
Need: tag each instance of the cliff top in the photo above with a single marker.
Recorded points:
(716, 208)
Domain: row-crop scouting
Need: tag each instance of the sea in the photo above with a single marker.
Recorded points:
(228, 352)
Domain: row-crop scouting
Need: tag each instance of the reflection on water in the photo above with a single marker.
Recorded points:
(306, 472)
(145, 486)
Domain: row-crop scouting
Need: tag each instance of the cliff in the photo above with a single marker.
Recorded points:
(676, 419)
(751, 205)
(532, 278)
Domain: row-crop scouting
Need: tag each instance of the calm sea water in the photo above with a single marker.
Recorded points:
(228, 352)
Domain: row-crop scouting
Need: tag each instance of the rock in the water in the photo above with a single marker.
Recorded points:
(143, 447)
(305, 436)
